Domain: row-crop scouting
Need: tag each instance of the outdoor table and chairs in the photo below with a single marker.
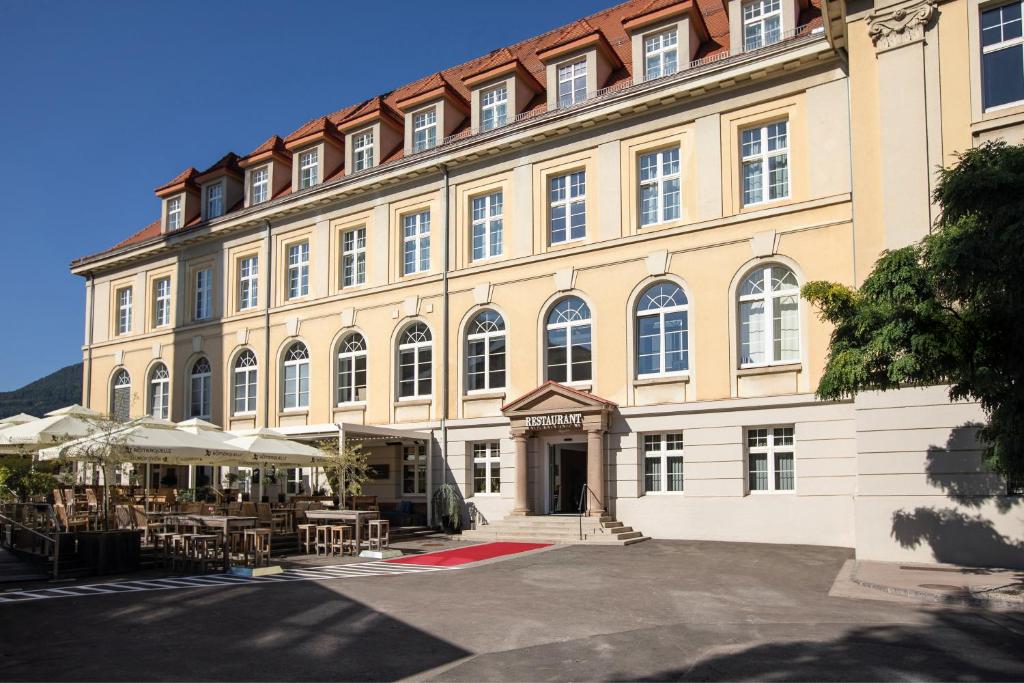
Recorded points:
(358, 518)
(229, 528)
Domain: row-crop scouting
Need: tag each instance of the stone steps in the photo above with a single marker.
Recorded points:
(558, 529)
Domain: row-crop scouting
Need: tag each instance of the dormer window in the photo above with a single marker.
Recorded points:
(309, 169)
(362, 151)
(762, 23)
(259, 190)
(174, 213)
(424, 130)
(214, 201)
(661, 54)
(494, 108)
(572, 83)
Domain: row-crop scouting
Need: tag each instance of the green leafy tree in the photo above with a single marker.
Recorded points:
(347, 470)
(948, 309)
(23, 480)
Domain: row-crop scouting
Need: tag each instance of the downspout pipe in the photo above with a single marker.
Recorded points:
(446, 314)
(268, 276)
(91, 294)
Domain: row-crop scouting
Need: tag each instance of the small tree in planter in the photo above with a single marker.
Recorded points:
(448, 507)
(104, 448)
(347, 470)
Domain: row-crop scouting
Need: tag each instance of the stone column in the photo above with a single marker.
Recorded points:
(595, 471)
(522, 506)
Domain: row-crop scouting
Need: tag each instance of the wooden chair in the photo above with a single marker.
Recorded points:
(205, 551)
(58, 497)
(268, 519)
(70, 523)
(341, 538)
(323, 539)
(379, 535)
(91, 500)
(142, 522)
(234, 509)
(123, 517)
(307, 537)
(257, 544)
(248, 509)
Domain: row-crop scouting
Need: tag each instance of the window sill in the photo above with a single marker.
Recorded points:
(293, 411)
(566, 244)
(767, 204)
(413, 401)
(662, 379)
(483, 395)
(351, 405)
(769, 369)
(579, 386)
(677, 494)
(248, 413)
(771, 493)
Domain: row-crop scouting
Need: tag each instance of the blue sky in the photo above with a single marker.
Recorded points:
(104, 100)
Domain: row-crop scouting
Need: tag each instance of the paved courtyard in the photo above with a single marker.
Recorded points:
(657, 610)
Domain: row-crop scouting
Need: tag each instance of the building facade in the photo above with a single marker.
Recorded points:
(576, 262)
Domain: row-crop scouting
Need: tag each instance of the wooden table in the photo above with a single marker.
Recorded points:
(225, 523)
(356, 516)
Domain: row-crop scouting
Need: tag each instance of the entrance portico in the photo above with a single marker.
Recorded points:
(555, 410)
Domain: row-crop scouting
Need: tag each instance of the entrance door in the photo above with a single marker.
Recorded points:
(568, 475)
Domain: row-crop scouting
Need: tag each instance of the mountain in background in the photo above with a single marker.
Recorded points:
(59, 389)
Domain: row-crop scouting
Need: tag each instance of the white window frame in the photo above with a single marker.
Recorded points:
(204, 294)
(771, 449)
(669, 445)
(205, 379)
(246, 375)
(159, 392)
(416, 240)
(667, 43)
(424, 130)
(768, 298)
(298, 270)
(660, 182)
(124, 310)
(362, 150)
(117, 385)
(571, 197)
(309, 168)
(174, 216)
(660, 313)
(996, 47)
(758, 17)
(353, 257)
(296, 361)
(494, 107)
(568, 326)
(352, 353)
(162, 302)
(215, 201)
(416, 348)
(495, 330)
(248, 282)
(764, 158)
(572, 73)
(489, 223)
(259, 185)
(418, 466)
(488, 455)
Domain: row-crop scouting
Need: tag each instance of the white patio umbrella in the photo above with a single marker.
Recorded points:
(19, 419)
(267, 447)
(57, 427)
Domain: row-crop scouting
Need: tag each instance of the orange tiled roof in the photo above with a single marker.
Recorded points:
(186, 176)
(148, 232)
(272, 144)
(228, 163)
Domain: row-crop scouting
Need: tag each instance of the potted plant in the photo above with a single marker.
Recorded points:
(448, 508)
(347, 470)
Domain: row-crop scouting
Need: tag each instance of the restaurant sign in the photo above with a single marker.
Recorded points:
(555, 421)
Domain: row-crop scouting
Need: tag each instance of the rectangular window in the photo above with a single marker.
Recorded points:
(353, 257)
(414, 470)
(298, 270)
(204, 294)
(568, 207)
(259, 191)
(1002, 56)
(416, 243)
(174, 213)
(424, 130)
(659, 186)
(762, 23)
(494, 108)
(663, 463)
(295, 481)
(362, 151)
(770, 459)
(661, 55)
(487, 226)
(309, 169)
(248, 283)
(124, 310)
(487, 467)
(572, 83)
(765, 153)
(296, 384)
(214, 201)
(162, 302)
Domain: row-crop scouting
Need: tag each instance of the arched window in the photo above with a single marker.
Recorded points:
(199, 389)
(414, 362)
(159, 392)
(352, 369)
(296, 377)
(245, 383)
(769, 317)
(121, 395)
(568, 341)
(662, 342)
(485, 352)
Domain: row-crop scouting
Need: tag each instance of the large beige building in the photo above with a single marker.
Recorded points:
(570, 270)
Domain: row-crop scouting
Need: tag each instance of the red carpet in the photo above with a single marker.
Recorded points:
(473, 553)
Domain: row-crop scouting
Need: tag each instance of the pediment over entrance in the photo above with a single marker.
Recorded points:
(554, 406)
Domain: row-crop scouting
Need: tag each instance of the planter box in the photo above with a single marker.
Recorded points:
(110, 552)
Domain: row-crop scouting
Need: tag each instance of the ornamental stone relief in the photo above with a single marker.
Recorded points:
(902, 25)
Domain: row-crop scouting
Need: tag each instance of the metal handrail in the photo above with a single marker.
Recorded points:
(55, 540)
(584, 498)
